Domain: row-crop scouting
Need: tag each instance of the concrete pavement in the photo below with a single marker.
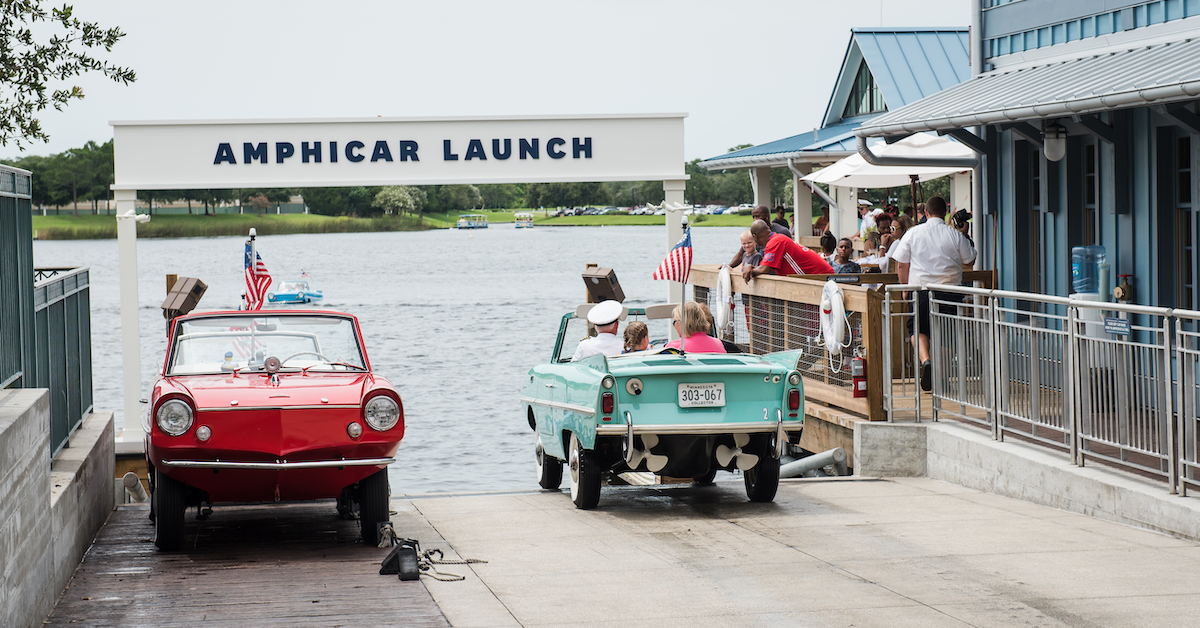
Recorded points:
(828, 552)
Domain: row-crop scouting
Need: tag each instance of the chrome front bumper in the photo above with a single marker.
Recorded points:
(278, 465)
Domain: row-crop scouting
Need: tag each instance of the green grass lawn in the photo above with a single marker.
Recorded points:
(89, 227)
(182, 226)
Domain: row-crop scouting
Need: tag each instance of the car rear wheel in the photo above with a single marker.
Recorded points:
(549, 468)
(585, 476)
(169, 511)
(707, 478)
(762, 480)
(373, 496)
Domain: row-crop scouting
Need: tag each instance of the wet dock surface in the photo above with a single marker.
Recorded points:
(828, 552)
(258, 565)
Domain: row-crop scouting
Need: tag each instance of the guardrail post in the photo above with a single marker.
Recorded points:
(999, 347)
(990, 372)
(915, 339)
(1169, 419)
(888, 391)
(1070, 382)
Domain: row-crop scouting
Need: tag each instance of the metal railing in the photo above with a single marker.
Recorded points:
(1187, 369)
(63, 355)
(1096, 381)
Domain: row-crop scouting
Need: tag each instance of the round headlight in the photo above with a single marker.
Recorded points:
(174, 417)
(608, 382)
(381, 413)
(794, 379)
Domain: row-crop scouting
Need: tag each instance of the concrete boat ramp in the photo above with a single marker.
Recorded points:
(828, 552)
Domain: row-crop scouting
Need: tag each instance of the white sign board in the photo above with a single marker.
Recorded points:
(393, 151)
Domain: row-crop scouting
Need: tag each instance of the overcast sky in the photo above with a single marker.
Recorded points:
(745, 71)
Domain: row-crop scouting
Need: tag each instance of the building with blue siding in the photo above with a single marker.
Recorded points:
(1084, 115)
(883, 69)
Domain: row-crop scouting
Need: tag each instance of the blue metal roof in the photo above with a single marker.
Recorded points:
(839, 137)
(912, 63)
(908, 64)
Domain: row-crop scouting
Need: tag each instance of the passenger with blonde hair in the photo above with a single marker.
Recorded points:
(692, 325)
(637, 337)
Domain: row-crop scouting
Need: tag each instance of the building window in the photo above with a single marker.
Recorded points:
(865, 96)
(1091, 164)
(1185, 224)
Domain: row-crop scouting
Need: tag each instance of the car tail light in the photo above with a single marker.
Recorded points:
(606, 403)
(793, 399)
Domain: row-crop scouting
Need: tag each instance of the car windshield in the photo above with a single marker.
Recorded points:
(577, 332)
(220, 344)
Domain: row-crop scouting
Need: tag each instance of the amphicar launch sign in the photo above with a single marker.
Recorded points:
(396, 151)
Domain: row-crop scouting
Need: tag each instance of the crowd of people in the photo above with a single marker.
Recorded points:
(917, 244)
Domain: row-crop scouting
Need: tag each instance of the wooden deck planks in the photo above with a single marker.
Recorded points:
(257, 565)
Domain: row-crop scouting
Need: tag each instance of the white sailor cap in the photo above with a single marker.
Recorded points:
(605, 313)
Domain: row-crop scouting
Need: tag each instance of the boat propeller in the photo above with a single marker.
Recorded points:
(654, 462)
(745, 460)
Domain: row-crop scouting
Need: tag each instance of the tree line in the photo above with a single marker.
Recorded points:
(81, 179)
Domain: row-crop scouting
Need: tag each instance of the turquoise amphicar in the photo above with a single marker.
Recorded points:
(293, 292)
(472, 221)
(672, 413)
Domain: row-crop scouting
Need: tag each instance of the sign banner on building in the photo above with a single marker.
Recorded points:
(394, 151)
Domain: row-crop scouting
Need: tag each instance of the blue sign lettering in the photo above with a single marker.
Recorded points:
(578, 147)
(529, 147)
(314, 152)
(475, 151)
(381, 152)
(408, 150)
(224, 153)
(497, 153)
(283, 150)
(250, 152)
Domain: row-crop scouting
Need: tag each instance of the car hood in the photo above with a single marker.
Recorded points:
(257, 390)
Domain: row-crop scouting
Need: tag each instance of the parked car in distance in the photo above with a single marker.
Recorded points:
(671, 413)
(269, 406)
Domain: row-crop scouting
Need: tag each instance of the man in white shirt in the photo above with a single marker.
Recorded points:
(932, 253)
(605, 316)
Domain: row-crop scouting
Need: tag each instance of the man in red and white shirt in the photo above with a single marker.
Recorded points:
(783, 256)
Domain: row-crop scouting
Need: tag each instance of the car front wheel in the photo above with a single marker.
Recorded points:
(585, 476)
(549, 468)
(169, 511)
(762, 480)
(374, 494)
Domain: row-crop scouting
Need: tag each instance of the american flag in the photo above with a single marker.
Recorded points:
(258, 278)
(678, 263)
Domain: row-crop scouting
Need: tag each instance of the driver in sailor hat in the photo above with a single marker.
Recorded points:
(605, 316)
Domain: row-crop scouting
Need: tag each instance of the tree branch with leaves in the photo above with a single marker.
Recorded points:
(36, 67)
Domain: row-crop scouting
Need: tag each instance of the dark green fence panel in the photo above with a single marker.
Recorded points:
(62, 304)
(16, 278)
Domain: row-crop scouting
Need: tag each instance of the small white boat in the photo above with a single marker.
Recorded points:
(472, 221)
(524, 220)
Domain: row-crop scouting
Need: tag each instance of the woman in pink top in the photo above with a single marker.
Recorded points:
(692, 324)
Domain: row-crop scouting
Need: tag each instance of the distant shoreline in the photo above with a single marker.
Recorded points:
(101, 227)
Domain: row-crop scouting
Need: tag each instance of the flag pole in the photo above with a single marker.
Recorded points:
(683, 297)
(253, 264)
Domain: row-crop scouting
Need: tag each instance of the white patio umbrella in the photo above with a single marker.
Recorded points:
(854, 171)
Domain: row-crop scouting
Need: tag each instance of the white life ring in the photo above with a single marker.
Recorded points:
(833, 318)
(724, 313)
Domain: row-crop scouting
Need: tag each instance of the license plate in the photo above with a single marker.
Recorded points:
(702, 395)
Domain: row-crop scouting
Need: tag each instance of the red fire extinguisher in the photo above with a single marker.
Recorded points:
(858, 376)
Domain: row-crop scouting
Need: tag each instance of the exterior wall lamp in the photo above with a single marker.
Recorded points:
(1054, 141)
